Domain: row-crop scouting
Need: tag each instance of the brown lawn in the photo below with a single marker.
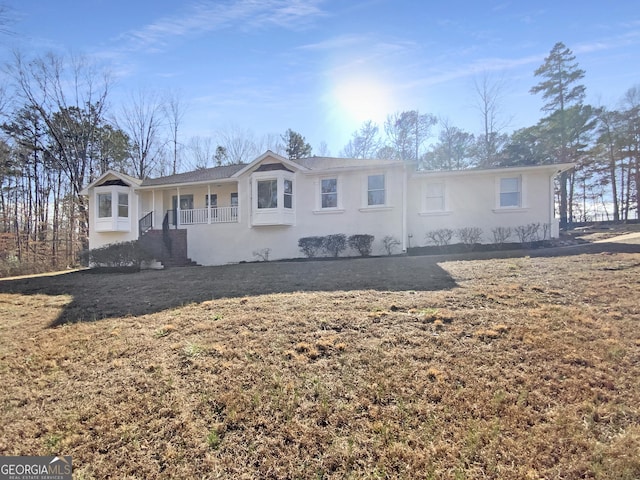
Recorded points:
(409, 367)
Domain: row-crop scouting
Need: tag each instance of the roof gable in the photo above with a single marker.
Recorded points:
(268, 158)
(112, 177)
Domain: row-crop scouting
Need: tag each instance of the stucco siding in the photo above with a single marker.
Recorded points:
(474, 201)
(235, 242)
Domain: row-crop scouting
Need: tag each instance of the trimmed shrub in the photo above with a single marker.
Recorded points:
(262, 254)
(310, 246)
(469, 235)
(528, 233)
(117, 255)
(501, 235)
(334, 244)
(390, 243)
(440, 237)
(361, 243)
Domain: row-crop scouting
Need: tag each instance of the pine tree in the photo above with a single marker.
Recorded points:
(561, 90)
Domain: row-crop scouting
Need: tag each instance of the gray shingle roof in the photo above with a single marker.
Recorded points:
(202, 175)
(227, 171)
(326, 163)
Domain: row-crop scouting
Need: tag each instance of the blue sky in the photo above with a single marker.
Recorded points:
(324, 67)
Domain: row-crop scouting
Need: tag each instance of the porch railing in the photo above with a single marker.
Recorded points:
(145, 223)
(209, 215)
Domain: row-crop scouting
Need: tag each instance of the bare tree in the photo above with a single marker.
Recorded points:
(239, 143)
(273, 142)
(407, 133)
(453, 150)
(323, 149)
(202, 152)
(70, 96)
(174, 110)
(364, 142)
(489, 95)
(142, 121)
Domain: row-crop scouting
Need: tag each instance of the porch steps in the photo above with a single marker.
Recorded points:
(153, 241)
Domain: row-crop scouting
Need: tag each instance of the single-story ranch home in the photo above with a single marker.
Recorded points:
(229, 213)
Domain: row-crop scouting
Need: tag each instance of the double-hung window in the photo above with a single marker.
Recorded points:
(375, 190)
(211, 200)
(329, 193)
(434, 197)
(123, 205)
(510, 192)
(267, 194)
(104, 205)
(288, 193)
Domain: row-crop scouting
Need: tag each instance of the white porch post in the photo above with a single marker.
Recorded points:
(209, 204)
(153, 208)
(178, 208)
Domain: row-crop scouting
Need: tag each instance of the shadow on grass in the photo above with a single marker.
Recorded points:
(98, 296)
(106, 295)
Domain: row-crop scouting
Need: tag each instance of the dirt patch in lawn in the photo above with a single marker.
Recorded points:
(510, 368)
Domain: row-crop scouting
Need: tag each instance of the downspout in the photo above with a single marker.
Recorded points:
(404, 208)
(209, 204)
(178, 207)
(552, 205)
(153, 208)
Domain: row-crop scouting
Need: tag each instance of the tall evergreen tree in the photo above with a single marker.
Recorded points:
(561, 90)
(296, 145)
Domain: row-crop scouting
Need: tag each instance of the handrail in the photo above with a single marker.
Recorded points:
(166, 238)
(145, 223)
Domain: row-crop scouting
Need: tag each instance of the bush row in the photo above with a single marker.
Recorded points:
(117, 255)
(531, 232)
(333, 245)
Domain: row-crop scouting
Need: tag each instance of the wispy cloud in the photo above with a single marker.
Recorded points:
(336, 43)
(620, 41)
(207, 16)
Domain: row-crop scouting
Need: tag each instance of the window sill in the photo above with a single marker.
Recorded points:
(376, 208)
(328, 211)
(435, 213)
(510, 210)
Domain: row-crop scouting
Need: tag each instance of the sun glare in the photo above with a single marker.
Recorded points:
(362, 99)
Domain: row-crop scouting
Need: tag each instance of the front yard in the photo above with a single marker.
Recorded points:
(409, 367)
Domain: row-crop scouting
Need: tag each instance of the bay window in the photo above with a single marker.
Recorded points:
(273, 198)
(112, 209)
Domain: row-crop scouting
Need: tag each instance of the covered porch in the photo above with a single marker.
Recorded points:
(178, 207)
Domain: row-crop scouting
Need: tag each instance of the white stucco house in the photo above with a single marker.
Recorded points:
(224, 214)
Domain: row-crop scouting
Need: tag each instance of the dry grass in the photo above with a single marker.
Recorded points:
(517, 368)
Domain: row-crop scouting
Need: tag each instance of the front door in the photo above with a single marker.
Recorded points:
(186, 203)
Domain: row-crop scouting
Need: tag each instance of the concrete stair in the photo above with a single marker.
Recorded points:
(153, 241)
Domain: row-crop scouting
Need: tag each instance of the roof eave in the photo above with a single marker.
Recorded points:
(555, 169)
(187, 184)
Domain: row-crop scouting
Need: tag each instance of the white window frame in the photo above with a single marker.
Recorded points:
(279, 188)
(106, 195)
(287, 193)
(383, 190)
(207, 200)
(114, 222)
(429, 194)
(280, 214)
(121, 204)
(518, 191)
